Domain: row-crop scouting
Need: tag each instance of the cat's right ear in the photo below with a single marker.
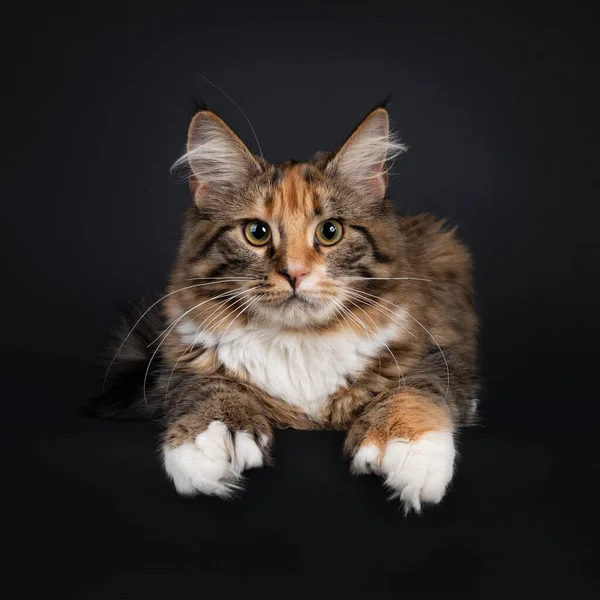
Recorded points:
(219, 161)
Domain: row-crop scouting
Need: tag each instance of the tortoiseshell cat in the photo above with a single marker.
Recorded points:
(299, 299)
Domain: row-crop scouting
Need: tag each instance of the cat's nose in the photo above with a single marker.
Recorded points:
(294, 274)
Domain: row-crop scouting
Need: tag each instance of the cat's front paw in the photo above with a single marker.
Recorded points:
(214, 462)
(416, 471)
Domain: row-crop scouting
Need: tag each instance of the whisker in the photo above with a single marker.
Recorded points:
(170, 329)
(384, 343)
(229, 293)
(337, 305)
(335, 314)
(140, 320)
(213, 308)
(241, 298)
(335, 308)
(427, 331)
(391, 278)
(356, 319)
(222, 279)
(220, 304)
(243, 308)
(372, 321)
(380, 308)
(441, 352)
(190, 347)
(239, 108)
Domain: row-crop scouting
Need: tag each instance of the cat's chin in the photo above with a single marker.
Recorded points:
(296, 312)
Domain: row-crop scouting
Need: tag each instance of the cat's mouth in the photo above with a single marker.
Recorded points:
(299, 300)
(294, 299)
(296, 310)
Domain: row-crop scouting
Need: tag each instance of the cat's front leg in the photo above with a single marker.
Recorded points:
(216, 431)
(407, 438)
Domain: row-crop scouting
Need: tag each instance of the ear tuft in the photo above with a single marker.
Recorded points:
(362, 161)
(199, 105)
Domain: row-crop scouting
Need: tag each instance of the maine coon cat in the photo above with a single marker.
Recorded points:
(300, 299)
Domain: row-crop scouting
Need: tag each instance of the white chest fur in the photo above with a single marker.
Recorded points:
(303, 369)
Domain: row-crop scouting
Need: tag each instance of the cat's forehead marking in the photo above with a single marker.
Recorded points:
(294, 193)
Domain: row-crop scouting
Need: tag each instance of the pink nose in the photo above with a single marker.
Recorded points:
(295, 274)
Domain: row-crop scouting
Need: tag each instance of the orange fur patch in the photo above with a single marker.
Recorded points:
(293, 196)
(409, 416)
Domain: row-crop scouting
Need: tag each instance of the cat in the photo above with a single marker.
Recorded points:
(299, 298)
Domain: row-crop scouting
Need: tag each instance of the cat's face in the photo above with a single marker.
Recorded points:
(282, 243)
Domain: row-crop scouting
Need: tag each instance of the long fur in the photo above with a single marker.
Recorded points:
(124, 367)
(375, 333)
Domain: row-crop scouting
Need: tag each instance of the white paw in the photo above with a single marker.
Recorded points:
(416, 471)
(213, 464)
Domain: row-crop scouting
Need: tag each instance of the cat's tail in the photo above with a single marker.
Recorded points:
(129, 371)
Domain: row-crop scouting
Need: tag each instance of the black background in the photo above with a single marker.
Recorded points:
(497, 106)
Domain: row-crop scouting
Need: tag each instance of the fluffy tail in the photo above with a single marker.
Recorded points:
(125, 366)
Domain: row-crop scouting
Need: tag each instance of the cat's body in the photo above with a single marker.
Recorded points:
(299, 299)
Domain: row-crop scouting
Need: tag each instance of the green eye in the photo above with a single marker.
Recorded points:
(329, 232)
(257, 233)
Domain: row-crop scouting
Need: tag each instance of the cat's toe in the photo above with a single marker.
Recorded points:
(247, 453)
(416, 471)
(419, 471)
(214, 462)
(366, 460)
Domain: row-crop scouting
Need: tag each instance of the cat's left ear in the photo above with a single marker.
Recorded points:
(363, 159)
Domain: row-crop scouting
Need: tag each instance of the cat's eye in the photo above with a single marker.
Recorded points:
(329, 232)
(257, 233)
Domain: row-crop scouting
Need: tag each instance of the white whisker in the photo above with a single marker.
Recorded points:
(441, 352)
(191, 346)
(239, 108)
(391, 278)
(372, 321)
(220, 304)
(168, 331)
(426, 330)
(140, 320)
(228, 294)
(380, 308)
(338, 309)
(337, 304)
(222, 279)
(243, 308)
(209, 330)
(350, 313)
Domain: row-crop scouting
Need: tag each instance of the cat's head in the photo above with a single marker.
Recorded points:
(282, 242)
